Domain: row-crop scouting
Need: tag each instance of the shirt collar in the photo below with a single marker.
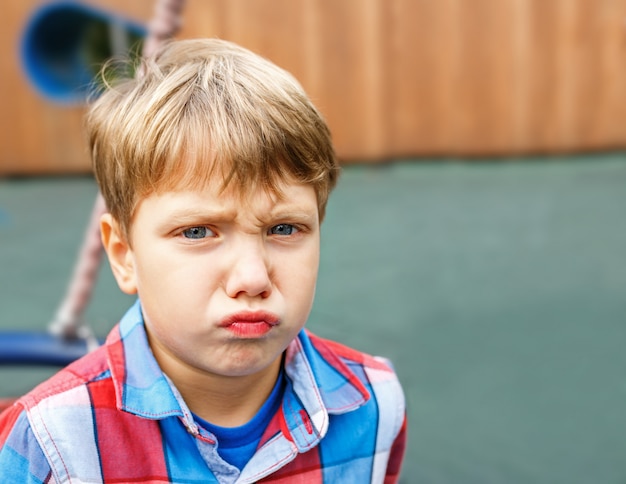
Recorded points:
(140, 385)
(321, 384)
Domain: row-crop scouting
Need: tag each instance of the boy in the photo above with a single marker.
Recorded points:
(215, 168)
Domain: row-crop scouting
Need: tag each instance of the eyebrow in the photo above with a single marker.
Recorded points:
(284, 212)
(291, 215)
(193, 215)
(288, 211)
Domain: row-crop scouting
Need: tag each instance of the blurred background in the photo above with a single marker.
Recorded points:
(477, 236)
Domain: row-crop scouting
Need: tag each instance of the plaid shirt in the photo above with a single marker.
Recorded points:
(113, 416)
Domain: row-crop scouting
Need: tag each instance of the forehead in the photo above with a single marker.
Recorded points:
(231, 202)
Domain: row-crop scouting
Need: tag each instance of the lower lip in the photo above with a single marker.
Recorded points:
(249, 329)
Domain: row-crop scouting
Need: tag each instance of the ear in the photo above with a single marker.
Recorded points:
(120, 254)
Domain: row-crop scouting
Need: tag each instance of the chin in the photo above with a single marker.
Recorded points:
(245, 365)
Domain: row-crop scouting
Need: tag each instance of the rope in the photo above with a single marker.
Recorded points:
(68, 321)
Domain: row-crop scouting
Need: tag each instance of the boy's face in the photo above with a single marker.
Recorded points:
(224, 285)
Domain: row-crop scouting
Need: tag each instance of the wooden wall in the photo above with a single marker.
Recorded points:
(394, 78)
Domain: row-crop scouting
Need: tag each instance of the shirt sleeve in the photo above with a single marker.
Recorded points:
(21, 457)
(396, 456)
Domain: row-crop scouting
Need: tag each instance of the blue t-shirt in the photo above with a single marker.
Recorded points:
(236, 445)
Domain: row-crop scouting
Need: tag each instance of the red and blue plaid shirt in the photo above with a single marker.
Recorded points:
(113, 416)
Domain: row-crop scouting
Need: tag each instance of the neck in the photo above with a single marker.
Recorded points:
(226, 401)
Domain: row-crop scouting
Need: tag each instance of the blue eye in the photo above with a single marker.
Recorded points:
(283, 229)
(196, 233)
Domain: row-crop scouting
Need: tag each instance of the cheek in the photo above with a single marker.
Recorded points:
(163, 283)
(161, 265)
(301, 278)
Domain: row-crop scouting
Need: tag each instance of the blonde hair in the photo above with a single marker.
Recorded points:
(200, 109)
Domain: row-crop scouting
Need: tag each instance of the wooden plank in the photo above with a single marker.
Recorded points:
(423, 61)
(608, 131)
(347, 70)
(596, 66)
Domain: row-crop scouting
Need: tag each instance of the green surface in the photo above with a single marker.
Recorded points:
(498, 290)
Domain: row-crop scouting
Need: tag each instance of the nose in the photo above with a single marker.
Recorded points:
(249, 273)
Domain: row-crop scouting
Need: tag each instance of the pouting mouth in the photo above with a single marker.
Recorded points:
(250, 317)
